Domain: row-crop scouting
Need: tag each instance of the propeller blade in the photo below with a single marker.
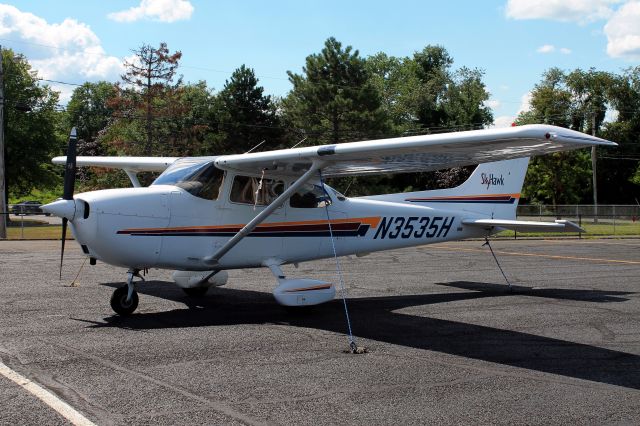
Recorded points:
(70, 168)
(64, 237)
(69, 185)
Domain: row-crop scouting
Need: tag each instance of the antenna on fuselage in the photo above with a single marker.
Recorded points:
(256, 146)
(303, 139)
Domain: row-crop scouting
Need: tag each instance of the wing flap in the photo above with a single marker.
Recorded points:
(524, 225)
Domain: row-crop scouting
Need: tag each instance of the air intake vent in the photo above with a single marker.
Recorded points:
(86, 210)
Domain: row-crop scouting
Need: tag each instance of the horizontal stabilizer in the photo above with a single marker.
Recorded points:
(525, 225)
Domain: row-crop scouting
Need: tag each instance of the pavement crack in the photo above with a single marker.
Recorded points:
(215, 405)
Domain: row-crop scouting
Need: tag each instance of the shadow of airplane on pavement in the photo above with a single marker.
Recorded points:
(374, 318)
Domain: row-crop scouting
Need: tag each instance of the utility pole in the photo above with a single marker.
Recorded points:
(3, 189)
(593, 168)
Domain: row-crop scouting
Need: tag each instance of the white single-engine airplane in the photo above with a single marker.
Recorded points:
(205, 215)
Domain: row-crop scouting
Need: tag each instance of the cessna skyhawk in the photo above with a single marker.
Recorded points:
(205, 215)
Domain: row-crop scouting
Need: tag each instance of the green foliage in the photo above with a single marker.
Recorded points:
(88, 109)
(559, 178)
(566, 101)
(422, 94)
(620, 173)
(334, 99)
(44, 195)
(579, 100)
(33, 137)
(245, 115)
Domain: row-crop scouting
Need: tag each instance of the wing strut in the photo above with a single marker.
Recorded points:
(215, 258)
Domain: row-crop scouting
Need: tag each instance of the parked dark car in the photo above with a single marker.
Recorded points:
(28, 207)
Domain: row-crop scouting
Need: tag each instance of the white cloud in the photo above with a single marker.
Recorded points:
(503, 121)
(493, 103)
(508, 120)
(581, 11)
(623, 32)
(525, 103)
(550, 48)
(622, 27)
(67, 51)
(157, 10)
(547, 48)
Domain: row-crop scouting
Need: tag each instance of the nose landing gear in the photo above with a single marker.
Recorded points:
(125, 299)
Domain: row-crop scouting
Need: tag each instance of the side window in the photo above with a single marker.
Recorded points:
(248, 190)
(310, 197)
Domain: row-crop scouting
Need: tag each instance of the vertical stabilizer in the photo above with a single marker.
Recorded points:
(493, 189)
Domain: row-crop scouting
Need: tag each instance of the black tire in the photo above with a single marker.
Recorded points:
(119, 301)
(196, 291)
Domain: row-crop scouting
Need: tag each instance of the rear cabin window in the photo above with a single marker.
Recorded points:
(203, 180)
(255, 191)
(310, 197)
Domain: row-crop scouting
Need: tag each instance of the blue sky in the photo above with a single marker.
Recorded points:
(513, 41)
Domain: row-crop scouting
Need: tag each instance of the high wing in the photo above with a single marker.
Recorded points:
(524, 225)
(415, 153)
(131, 164)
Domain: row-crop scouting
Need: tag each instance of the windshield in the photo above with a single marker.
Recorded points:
(199, 177)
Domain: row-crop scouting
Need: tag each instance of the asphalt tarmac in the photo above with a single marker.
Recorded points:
(447, 342)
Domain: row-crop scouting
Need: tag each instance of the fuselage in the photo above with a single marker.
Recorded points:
(165, 226)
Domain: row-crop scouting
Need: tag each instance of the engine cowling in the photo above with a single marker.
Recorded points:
(191, 279)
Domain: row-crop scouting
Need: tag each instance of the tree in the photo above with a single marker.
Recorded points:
(193, 129)
(581, 100)
(619, 169)
(246, 116)
(334, 100)
(33, 137)
(422, 94)
(397, 84)
(559, 178)
(88, 109)
(464, 104)
(576, 100)
(149, 93)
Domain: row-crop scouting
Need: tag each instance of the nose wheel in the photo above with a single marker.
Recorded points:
(124, 300)
(121, 304)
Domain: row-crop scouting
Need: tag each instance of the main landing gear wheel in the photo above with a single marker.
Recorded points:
(196, 291)
(119, 301)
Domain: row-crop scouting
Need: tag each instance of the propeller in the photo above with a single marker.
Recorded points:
(69, 184)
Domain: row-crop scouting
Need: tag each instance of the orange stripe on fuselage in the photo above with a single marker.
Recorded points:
(318, 287)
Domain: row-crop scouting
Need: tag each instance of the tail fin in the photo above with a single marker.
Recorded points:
(493, 189)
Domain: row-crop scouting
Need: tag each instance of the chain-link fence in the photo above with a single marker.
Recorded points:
(600, 220)
(28, 221)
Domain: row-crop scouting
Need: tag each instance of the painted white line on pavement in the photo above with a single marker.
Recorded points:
(64, 409)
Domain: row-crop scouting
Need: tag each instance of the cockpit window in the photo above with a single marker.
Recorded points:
(202, 179)
(255, 191)
(310, 196)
